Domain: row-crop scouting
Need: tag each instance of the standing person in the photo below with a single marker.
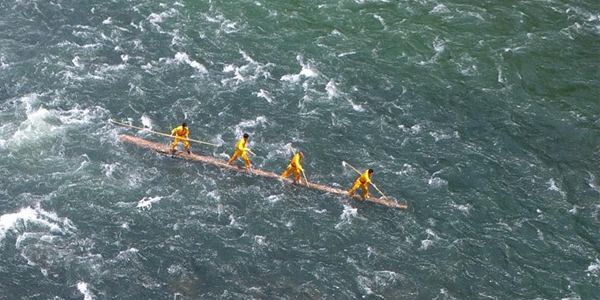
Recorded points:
(240, 150)
(181, 133)
(295, 167)
(363, 182)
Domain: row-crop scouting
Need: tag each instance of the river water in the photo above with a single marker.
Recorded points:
(481, 116)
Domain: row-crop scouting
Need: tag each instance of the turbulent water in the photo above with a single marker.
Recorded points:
(482, 116)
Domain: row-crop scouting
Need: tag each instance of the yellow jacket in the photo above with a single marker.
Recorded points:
(364, 178)
(181, 131)
(241, 145)
(296, 161)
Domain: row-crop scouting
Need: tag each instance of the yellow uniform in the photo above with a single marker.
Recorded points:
(363, 182)
(295, 167)
(181, 134)
(240, 150)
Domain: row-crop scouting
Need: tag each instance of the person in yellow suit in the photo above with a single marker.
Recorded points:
(240, 150)
(363, 182)
(295, 167)
(181, 133)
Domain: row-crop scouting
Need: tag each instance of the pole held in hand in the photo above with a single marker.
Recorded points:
(159, 133)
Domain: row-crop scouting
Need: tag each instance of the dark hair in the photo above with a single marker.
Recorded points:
(370, 171)
(184, 125)
(245, 135)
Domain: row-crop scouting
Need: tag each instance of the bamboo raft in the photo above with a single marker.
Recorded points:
(222, 164)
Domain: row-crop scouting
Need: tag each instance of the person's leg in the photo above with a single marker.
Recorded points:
(354, 187)
(187, 146)
(246, 160)
(287, 172)
(174, 144)
(297, 175)
(235, 155)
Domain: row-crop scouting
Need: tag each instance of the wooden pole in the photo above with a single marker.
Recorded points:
(159, 133)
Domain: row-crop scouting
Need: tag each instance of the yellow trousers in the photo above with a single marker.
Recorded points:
(177, 140)
(358, 184)
(289, 171)
(243, 154)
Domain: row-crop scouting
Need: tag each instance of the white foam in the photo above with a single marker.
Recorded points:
(431, 233)
(381, 20)
(416, 128)
(184, 58)
(346, 53)
(501, 78)
(593, 268)
(42, 123)
(109, 169)
(370, 1)
(357, 107)
(178, 40)
(159, 18)
(260, 240)
(289, 224)
(443, 136)
(247, 57)
(127, 253)
(239, 128)
(232, 221)
(306, 72)
(331, 89)
(592, 182)
(553, 186)
(83, 288)
(78, 116)
(77, 62)
(248, 72)
(146, 121)
(229, 68)
(347, 215)
(230, 27)
(439, 9)
(436, 181)
(385, 278)
(274, 198)
(20, 222)
(146, 202)
(214, 194)
(264, 94)
(425, 244)
(464, 208)
(365, 284)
